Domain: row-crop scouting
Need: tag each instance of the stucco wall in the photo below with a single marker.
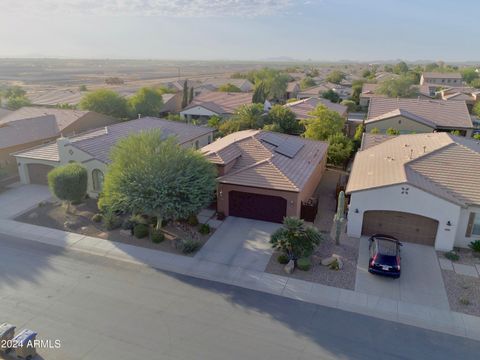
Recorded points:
(312, 183)
(416, 202)
(6, 158)
(400, 123)
(462, 240)
(90, 121)
(292, 198)
(197, 111)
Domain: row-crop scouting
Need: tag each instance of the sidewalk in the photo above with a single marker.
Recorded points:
(406, 313)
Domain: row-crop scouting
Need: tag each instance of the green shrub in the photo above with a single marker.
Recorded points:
(189, 246)
(204, 229)
(192, 220)
(97, 218)
(304, 264)
(139, 219)
(283, 259)
(111, 221)
(452, 255)
(475, 245)
(464, 301)
(140, 231)
(157, 237)
(128, 224)
(69, 182)
(334, 265)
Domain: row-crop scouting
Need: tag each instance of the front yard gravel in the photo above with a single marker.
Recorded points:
(463, 292)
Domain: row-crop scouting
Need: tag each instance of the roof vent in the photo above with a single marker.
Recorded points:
(106, 130)
(424, 149)
(411, 153)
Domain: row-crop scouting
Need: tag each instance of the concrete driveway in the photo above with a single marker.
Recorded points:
(240, 242)
(19, 198)
(421, 281)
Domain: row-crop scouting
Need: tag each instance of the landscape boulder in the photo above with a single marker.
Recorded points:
(289, 267)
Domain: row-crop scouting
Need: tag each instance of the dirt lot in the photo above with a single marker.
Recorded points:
(79, 221)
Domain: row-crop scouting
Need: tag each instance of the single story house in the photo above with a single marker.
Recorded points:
(420, 188)
(419, 116)
(293, 88)
(172, 103)
(467, 94)
(222, 104)
(32, 126)
(316, 91)
(437, 78)
(370, 90)
(264, 175)
(215, 83)
(92, 149)
(302, 108)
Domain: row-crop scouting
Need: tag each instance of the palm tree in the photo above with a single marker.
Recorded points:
(295, 239)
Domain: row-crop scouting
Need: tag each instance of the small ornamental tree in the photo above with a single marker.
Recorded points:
(331, 95)
(323, 124)
(68, 183)
(295, 239)
(228, 87)
(146, 102)
(157, 177)
(284, 120)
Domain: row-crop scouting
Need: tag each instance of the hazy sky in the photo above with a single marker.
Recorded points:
(242, 29)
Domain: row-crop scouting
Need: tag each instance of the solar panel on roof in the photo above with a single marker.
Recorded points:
(272, 139)
(289, 148)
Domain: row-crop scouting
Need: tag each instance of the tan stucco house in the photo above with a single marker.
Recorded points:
(418, 116)
(441, 79)
(265, 175)
(32, 126)
(92, 149)
(420, 188)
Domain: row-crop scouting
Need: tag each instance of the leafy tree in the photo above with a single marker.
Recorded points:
(14, 91)
(146, 101)
(295, 239)
(375, 131)
(331, 95)
(185, 94)
(17, 102)
(400, 68)
(388, 68)
(401, 87)
(455, 132)
(307, 82)
(215, 121)
(325, 122)
(260, 93)
(367, 73)
(475, 83)
(82, 88)
(157, 177)
(175, 117)
(469, 74)
(431, 67)
(350, 104)
(335, 77)
(392, 131)
(359, 132)
(190, 95)
(476, 136)
(282, 119)
(340, 149)
(245, 117)
(229, 88)
(357, 86)
(476, 109)
(106, 102)
(68, 183)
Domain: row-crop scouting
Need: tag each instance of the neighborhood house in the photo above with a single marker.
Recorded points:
(420, 188)
(265, 175)
(92, 149)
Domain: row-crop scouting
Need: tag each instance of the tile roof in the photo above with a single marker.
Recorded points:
(35, 123)
(221, 102)
(439, 75)
(257, 164)
(439, 163)
(302, 108)
(56, 96)
(435, 113)
(369, 140)
(98, 143)
(215, 83)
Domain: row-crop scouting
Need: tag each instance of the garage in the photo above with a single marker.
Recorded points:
(38, 173)
(406, 227)
(257, 206)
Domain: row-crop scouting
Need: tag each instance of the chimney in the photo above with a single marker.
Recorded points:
(63, 154)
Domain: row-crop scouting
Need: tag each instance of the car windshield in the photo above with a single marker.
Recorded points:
(387, 247)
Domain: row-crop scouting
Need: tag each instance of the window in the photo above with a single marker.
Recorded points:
(97, 177)
(476, 224)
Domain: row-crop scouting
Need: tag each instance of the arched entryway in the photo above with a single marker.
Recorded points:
(406, 227)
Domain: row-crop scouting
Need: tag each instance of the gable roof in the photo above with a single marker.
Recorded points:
(98, 143)
(440, 75)
(257, 163)
(433, 113)
(438, 163)
(35, 123)
(221, 102)
(302, 108)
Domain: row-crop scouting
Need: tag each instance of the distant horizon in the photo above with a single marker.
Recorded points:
(325, 31)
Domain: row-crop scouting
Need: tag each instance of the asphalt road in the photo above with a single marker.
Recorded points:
(101, 309)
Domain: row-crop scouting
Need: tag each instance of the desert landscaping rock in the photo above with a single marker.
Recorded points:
(289, 267)
(460, 288)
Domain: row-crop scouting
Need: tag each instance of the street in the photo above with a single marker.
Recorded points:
(102, 309)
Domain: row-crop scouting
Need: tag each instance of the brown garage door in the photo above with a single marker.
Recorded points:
(38, 173)
(404, 226)
(256, 206)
